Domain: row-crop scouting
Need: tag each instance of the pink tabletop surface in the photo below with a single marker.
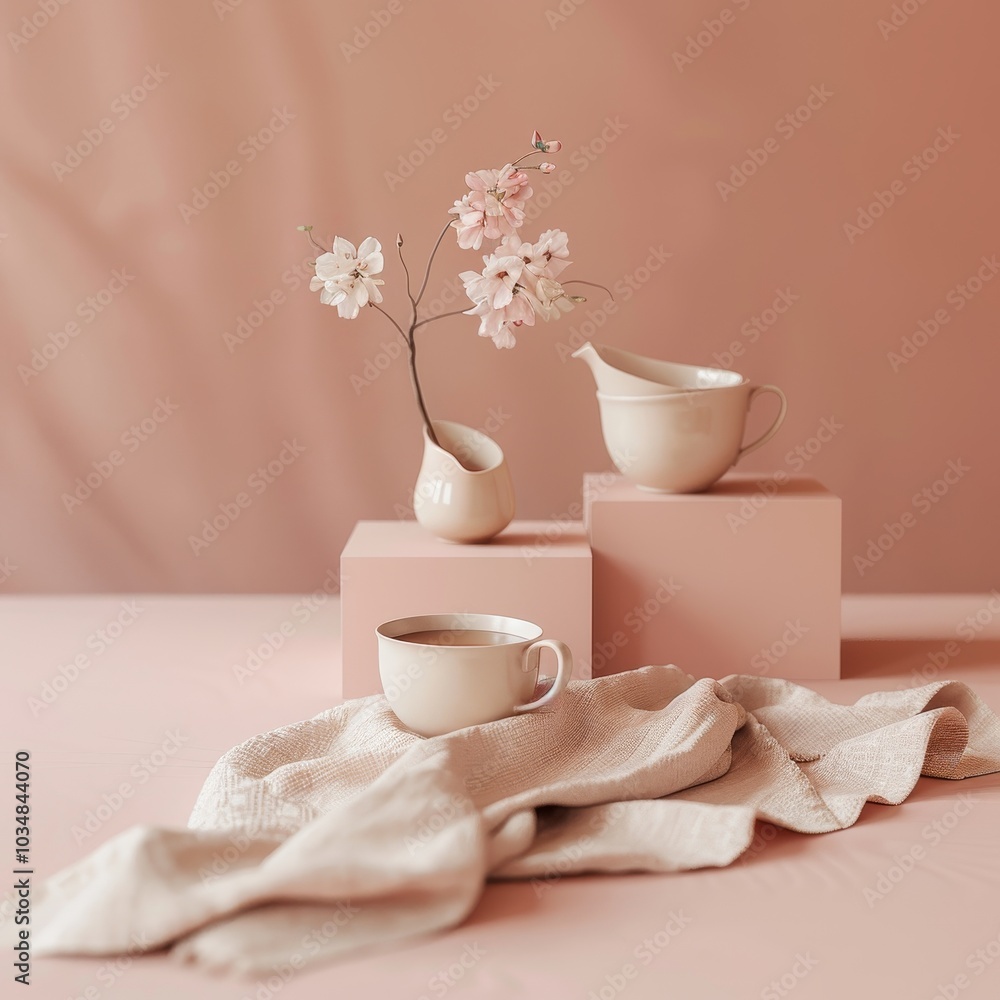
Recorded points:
(906, 904)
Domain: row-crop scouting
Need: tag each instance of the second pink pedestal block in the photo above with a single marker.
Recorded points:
(536, 570)
(742, 579)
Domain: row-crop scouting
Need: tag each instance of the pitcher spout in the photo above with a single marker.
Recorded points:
(603, 372)
(587, 353)
(621, 373)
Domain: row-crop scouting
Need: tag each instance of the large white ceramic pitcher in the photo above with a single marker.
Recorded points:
(673, 428)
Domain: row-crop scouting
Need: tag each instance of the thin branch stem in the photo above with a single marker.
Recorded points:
(534, 152)
(593, 284)
(402, 332)
(406, 271)
(313, 241)
(430, 260)
(416, 388)
(430, 319)
(407, 337)
(418, 392)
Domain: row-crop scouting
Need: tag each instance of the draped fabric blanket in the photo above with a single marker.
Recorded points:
(351, 822)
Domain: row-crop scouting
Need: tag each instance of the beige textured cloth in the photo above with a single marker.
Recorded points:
(347, 830)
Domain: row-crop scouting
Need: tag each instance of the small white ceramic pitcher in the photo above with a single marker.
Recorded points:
(464, 491)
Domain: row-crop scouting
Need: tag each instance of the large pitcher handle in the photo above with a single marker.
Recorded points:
(773, 429)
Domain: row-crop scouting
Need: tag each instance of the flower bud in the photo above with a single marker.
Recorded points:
(546, 168)
(553, 146)
(536, 140)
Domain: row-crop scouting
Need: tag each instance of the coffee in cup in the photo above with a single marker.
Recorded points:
(445, 672)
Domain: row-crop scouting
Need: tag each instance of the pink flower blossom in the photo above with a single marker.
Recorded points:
(550, 255)
(537, 142)
(344, 276)
(498, 323)
(493, 207)
(496, 283)
(547, 258)
(470, 224)
(517, 283)
(549, 299)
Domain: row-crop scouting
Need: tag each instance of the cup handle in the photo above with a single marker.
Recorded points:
(564, 670)
(773, 429)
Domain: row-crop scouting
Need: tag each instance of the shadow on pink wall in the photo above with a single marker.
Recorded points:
(822, 181)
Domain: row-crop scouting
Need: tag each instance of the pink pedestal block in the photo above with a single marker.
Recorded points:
(743, 579)
(536, 570)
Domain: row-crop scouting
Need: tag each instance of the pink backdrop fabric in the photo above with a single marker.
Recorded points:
(833, 164)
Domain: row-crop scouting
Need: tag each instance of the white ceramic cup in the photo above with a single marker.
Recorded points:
(682, 442)
(439, 687)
